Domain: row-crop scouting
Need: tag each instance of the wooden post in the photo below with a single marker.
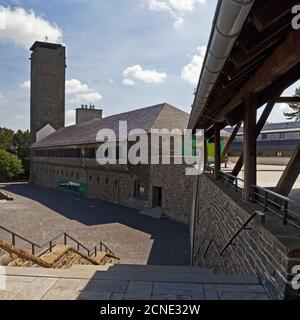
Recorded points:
(217, 139)
(249, 144)
(290, 174)
(231, 139)
(205, 151)
(260, 124)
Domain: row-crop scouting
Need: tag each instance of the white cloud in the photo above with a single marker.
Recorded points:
(74, 86)
(284, 108)
(25, 27)
(91, 97)
(78, 92)
(25, 85)
(1, 95)
(176, 8)
(136, 73)
(191, 72)
(111, 81)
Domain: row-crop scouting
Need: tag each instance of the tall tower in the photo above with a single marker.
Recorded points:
(48, 72)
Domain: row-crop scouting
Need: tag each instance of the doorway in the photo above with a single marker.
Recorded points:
(157, 197)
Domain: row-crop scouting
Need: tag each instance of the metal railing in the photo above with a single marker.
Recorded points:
(102, 248)
(244, 227)
(232, 181)
(48, 246)
(287, 209)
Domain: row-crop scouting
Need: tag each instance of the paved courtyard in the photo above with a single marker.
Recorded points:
(40, 214)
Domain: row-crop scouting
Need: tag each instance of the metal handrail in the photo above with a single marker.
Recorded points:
(242, 228)
(101, 245)
(50, 244)
(231, 180)
(276, 203)
(17, 236)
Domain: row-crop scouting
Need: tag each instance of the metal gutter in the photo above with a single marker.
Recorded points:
(228, 22)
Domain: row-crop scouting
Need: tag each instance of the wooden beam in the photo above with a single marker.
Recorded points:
(260, 124)
(284, 58)
(217, 140)
(229, 142)
(295, 99)
(250, 176)
(290, 175)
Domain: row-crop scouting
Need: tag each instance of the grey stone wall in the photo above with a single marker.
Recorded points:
(268, 251)
(115, 183)
(84, 115)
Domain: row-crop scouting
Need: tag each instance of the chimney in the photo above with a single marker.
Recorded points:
(85, 113)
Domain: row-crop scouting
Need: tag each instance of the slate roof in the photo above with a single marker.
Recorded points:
(162, 116)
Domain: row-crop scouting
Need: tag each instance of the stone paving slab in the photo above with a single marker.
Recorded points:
(139, 290)
(43, 288)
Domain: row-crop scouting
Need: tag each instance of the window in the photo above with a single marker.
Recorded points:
(279, 154)
(282, 135)
(264, 136)
(90, 153)
(139, 190)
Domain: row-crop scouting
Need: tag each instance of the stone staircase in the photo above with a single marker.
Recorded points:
(55, 255)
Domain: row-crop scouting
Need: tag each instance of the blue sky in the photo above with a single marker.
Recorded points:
(121, 55)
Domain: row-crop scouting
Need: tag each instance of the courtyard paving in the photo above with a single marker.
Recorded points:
(40, 214)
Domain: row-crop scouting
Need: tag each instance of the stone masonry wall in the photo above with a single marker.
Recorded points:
(268, 251)
(116, 183)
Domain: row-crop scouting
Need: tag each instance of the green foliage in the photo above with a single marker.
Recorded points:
(18, 144)
(10, 166)
(295, 107)
(6, 138)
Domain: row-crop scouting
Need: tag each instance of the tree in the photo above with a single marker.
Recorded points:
(6, 138)
(295, 107)
(21, 148)
(10, 166)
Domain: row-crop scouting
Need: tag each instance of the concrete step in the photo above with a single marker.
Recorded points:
(100, 273)
(162, 268)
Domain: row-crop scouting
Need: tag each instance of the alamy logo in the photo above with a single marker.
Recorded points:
(159, 146)
(296, 279)
(296, 18)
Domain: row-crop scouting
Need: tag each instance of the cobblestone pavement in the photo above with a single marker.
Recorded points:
(40, 214)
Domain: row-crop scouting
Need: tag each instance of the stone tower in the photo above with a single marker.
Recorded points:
(47, 102)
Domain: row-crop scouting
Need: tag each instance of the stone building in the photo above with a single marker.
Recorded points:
(275, 144)
(66, 160)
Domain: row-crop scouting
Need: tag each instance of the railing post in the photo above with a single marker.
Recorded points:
(65, 239)
(96, 251)
(33, 249)
(285, 212)
(266, 201)
(78, 246)
(13, 239)
(50, 246)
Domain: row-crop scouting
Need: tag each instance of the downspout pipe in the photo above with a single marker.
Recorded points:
(229, 20)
